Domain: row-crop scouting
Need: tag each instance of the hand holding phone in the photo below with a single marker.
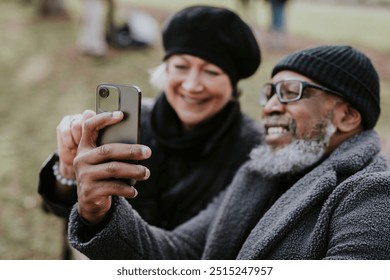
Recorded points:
(99, 179)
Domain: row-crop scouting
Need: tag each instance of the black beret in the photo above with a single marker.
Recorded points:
(216, 35)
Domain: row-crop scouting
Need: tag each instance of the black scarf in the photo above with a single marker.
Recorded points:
(198, 142)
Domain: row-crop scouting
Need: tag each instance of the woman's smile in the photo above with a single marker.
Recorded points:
(194, 100)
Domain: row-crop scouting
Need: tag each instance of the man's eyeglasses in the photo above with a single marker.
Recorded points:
(288, 91)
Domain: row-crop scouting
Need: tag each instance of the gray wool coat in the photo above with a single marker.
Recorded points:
(338, 210)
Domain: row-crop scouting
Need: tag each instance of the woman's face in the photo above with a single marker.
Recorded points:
(196, 89)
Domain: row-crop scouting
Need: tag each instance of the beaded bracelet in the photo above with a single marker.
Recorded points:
(61, 179)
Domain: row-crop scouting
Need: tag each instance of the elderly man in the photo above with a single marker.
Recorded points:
(319, 189)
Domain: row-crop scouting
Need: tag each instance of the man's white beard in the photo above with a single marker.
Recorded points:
(293, 158)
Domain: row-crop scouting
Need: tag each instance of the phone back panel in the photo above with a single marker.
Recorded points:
(123, 98)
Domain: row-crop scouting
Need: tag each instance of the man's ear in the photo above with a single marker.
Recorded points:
(347, 118)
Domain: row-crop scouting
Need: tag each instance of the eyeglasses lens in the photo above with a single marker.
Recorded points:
(289, 91)
(266, 94)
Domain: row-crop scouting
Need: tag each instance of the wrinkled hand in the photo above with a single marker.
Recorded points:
(68, 139)
(100, 170)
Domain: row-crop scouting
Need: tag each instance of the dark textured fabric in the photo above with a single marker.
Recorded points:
(46, 187)
(215, 34)
(338, 210)
(342, 69)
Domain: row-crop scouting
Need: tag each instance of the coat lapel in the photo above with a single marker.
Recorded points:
(244, 203)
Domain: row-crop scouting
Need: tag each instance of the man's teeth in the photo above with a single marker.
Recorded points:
(276, 130)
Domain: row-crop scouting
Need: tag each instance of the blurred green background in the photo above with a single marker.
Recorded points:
(43, 77)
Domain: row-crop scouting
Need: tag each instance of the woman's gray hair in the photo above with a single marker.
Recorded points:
(158, 76)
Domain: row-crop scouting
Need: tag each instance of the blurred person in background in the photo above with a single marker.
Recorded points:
(195, 128)
(99, 28)
(92, 36)
(277, 29)
(52, 8)
(278, 15)
(318, 189)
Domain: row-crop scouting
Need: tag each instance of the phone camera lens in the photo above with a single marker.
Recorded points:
(104, 92)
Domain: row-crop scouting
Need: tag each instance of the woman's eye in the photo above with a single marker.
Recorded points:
(180, 67)
(211, 72)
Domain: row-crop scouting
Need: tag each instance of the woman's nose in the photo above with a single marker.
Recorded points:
(192, 82)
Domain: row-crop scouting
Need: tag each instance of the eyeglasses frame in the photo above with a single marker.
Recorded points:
(302, 86)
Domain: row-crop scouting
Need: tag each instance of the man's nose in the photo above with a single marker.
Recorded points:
(273, 106)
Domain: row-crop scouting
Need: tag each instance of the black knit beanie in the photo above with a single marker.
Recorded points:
(214, 34)
(342, 69)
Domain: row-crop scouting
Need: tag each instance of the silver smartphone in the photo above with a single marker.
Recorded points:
(125, 98)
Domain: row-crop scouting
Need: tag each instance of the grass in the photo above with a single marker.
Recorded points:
(44, 78)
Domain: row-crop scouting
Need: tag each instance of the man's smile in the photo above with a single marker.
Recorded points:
(276, 130)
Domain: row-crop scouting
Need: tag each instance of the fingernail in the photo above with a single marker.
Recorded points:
(135, 192)
(146, 151)
(116, 114)
(147, 173)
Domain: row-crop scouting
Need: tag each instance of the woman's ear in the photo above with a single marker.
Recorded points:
(347, 118)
